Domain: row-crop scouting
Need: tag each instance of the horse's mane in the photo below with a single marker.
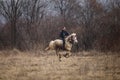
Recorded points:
(68, 37)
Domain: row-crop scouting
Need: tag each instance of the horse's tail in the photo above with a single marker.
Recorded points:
(47, 48)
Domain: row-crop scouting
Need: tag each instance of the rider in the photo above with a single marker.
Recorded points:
(63, 34)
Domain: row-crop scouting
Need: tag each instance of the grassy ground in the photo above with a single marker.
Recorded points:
(15, 65)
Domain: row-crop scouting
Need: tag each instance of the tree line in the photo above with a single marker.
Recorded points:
(31, 24)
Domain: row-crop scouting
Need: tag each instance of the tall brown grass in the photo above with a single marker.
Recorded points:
(16, 65)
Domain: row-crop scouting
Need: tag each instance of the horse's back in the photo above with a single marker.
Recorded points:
(54, 43)
(58, 41)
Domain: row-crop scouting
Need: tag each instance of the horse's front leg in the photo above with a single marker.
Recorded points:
(70, 53)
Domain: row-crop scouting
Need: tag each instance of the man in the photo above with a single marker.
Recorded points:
(63, 35)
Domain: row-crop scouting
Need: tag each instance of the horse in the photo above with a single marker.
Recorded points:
(57, 45)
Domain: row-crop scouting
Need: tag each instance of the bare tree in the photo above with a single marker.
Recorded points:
(96, 23)
(11, 10)
(65, 10)
(24, 17)
(33, 12)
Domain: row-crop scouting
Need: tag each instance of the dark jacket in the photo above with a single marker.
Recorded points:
(63, 33)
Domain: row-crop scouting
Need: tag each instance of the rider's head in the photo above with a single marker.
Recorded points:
(64, 28)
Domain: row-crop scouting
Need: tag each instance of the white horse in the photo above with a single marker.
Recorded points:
(58, 44)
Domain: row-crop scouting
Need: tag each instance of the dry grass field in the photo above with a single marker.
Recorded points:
(15, 65)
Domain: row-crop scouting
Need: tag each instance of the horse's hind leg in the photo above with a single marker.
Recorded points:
(56, 52)
(59, 57)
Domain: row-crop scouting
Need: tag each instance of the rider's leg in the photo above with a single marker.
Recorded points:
(63, 43)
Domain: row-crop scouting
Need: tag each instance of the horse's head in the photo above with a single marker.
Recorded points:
(72, 38)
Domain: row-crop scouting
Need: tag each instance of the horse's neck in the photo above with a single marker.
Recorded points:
(68, 45)
(66, 40)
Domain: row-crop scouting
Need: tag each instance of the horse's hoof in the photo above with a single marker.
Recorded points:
(66, 55)
(60, 60)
